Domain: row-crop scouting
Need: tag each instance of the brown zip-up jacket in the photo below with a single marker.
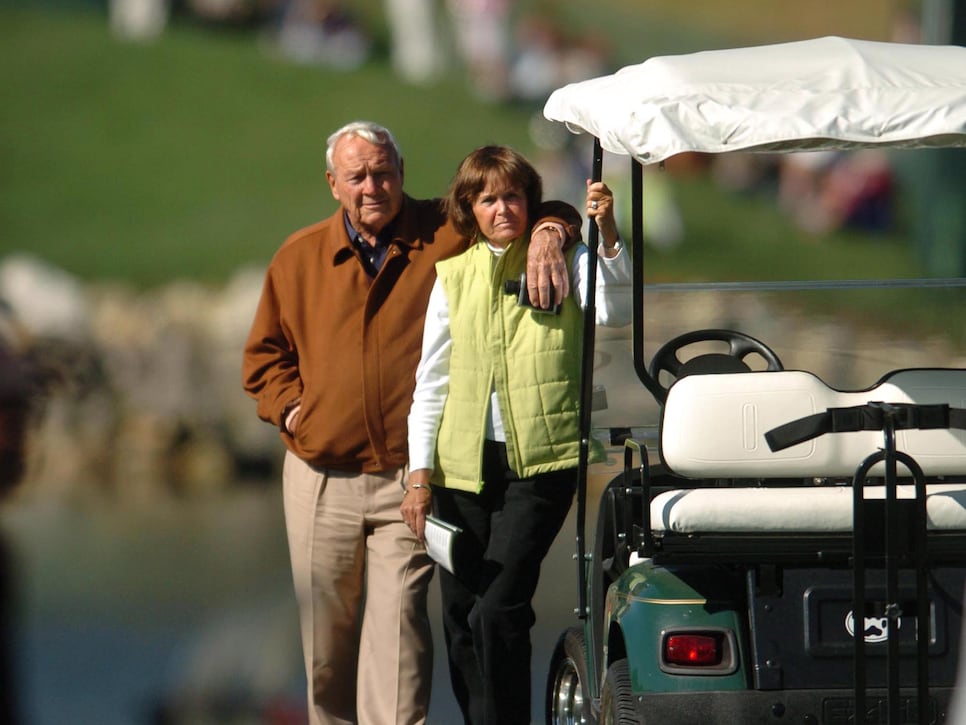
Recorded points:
(346, 346)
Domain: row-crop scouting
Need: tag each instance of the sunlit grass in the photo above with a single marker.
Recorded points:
(198, 153)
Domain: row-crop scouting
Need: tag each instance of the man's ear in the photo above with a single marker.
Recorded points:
(331, 179)
(402, 174)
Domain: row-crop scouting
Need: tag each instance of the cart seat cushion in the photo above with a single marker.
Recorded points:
(713, 426)
(809, 509)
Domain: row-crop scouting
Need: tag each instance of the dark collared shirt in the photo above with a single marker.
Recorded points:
(372, 256)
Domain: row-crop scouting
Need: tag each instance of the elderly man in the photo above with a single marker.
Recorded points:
(331, 360)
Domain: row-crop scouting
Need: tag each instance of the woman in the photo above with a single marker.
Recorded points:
(493, 430)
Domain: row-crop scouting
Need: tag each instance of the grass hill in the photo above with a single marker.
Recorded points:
(198, 153)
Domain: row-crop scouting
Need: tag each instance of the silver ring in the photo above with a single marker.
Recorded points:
(593, 204)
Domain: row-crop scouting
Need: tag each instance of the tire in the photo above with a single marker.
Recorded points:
(617, 697)
(568, 701)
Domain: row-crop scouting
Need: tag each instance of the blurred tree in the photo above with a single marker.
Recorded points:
(940, 175)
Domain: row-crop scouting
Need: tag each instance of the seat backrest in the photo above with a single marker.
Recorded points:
(713, 426)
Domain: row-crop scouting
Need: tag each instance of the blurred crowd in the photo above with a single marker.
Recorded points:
(506, 53)
(819, 191)
(513, 52)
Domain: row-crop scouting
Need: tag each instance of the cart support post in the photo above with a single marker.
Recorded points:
(586, 393)
(637, 249)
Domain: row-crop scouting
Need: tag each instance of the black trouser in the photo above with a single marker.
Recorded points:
(487, 613)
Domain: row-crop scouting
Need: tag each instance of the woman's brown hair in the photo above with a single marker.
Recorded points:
(500, 164)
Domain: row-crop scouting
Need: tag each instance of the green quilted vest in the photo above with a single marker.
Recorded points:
(531, 358)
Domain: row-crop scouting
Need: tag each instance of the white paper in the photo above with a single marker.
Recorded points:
(440, 541)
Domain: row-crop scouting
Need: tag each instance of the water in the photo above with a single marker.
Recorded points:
(124, 612)
(121, 609)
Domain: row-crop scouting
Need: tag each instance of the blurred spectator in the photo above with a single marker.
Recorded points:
(858, 192)
(744, 173)
(138, 20)
(536, 70)
(16, 397)
(481, 30)
(502, 63)
(547, 58)
(823, 191)
(318, 32)
(20, 385)
(418, 53)
(907, 26)
(14, 401)
(230, 12)
(798, 181)
(585, 57)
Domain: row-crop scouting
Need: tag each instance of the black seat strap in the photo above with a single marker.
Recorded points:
(870, 416)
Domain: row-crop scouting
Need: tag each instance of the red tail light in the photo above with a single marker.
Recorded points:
(695, 650)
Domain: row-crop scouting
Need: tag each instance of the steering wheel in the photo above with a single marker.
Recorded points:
(740, 346)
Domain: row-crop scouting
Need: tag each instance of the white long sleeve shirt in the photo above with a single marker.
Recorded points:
(613, 308)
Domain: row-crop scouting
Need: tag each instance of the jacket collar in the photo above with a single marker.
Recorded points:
(404, 231)
(405, 227)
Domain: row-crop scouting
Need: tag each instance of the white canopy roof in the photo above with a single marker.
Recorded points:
(826, 93)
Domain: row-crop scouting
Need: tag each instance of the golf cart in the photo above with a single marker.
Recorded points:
(776, 547)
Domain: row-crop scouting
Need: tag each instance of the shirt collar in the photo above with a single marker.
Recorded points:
(382, 239)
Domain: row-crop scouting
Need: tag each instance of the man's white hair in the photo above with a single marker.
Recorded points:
(366, 130)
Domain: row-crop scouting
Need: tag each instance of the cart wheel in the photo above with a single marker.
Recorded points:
(740, 346)
(617, 697)
(568, 701)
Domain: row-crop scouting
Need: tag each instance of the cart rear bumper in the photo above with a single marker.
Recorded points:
(757, 707)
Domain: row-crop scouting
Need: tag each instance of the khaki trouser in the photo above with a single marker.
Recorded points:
(361, 580)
